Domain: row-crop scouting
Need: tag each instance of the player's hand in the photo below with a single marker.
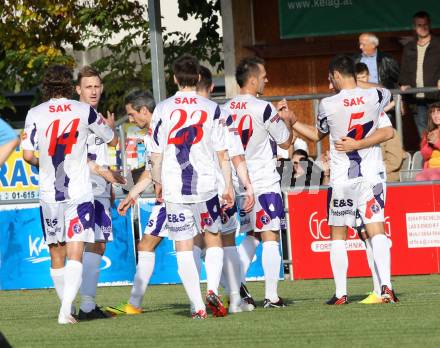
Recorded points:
(228, 198)
(346, 144)
(112, 176)
(126, 203)
(282, 105)
(110, 120)
(288, 116)
(249, 200)
(404, 87)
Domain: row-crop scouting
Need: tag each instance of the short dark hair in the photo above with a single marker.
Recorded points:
(186, 68)
(361, 67)
(422, 14)
(205, 81)
(247, 68)
(301, 152)
(57, 82)
(87, 71)
(343, 64)
(137, 99)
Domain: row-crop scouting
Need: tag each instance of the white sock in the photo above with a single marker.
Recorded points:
(144, 270)
(213, 266)
(339, 263)
(57, 275)
(373, 268)
(91, 262)
(246, 251)
(271, 260)
(187, 270)
(231, 274)
(382, 258)
(72, 282)
(198, 258)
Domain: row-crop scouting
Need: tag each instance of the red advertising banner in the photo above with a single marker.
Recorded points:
(412, 223)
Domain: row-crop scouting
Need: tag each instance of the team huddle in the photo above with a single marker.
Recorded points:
(205, 163)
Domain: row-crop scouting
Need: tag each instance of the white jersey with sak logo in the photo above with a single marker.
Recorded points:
(59, 129)
(187, 131)
(356, 183)
(355, 113)
(257, 123)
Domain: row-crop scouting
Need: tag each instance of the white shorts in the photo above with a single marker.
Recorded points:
(267, 213)
(229, 219)
(71, 221)
(186, 220)
(365, 197)
(103, 220)
(156, 225)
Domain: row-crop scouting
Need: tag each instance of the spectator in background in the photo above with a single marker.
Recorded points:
(8, 141)
(306, 172)
(393, 156)
(392, 150)
(421, 68)
(430, 147)
(384, 69)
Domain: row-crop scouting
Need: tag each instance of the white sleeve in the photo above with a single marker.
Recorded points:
(147, 143)
(233, 141)
(275, 125)
(384, 96)
(158, 136)
(218, 132)
(384, 120)
(98, 126)
(321, 120)
(29, 137)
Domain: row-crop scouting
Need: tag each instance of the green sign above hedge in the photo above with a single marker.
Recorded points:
(300, 18)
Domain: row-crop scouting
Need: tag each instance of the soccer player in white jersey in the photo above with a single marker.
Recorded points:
(231, 274)
(140, 106)
(257, 123)
(58, 130)
(356, 123)
(187, 134)
(89, 88)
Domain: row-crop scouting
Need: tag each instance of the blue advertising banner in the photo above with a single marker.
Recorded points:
(24, 255)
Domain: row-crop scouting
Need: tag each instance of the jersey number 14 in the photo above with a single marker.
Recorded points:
(65, 138)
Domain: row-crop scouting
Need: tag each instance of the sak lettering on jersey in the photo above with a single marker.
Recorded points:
(187, 130)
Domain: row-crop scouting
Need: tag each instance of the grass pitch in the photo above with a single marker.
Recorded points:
(29, 319)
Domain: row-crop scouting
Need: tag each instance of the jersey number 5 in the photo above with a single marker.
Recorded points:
(67, 139)
(355, 131)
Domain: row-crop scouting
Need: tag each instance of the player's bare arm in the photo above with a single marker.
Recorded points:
(131, 198)
(289, 118)
(156, 167)
(347, 144)
(109, 175)
(240, 166)
(110, 121)
(228, 195)
(29, 157)
(307, 131)
(6, 149)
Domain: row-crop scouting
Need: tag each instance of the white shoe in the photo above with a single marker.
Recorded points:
(69, 319)
(246, 307)
(242, 307)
